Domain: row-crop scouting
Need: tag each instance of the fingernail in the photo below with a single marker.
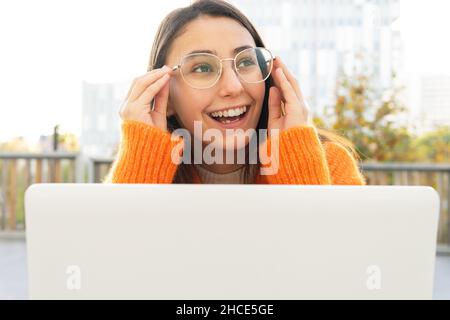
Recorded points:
(165, 68)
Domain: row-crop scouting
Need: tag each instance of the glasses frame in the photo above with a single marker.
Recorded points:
(178, 67)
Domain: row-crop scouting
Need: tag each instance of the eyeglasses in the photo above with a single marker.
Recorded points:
(203, 70)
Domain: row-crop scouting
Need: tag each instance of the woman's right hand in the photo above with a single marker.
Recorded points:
(137, 104)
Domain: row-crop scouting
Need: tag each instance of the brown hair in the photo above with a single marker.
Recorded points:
(173, 25)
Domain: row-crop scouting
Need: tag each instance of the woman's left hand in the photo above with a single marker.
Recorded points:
(286, 91)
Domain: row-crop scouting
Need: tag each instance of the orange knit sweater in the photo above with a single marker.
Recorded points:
(144, 156)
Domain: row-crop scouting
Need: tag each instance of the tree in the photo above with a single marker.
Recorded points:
(68, 142)
(434, 146)
(368, 119)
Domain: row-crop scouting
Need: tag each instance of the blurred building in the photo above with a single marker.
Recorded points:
(45, 143)
(100, 130)
(319, 39)
(435, 100)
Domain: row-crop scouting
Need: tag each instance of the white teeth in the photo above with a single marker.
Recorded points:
(230, 112)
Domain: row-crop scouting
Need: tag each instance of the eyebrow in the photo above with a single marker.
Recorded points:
(236, 50)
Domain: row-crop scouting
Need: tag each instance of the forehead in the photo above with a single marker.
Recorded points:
(220, 35)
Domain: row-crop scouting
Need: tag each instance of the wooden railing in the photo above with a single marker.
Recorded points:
(18, 171)
(434, 175)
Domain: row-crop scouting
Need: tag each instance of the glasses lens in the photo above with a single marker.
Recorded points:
(254, 64)
(200, 70)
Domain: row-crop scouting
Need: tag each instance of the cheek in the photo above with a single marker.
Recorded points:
(187, 104)
(191, 105)
(256, 92)
(257, 95)
(260, 91)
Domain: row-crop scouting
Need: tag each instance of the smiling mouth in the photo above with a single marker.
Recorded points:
(230, 115)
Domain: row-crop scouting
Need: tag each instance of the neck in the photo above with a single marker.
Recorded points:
(225, 167)
(222, 168)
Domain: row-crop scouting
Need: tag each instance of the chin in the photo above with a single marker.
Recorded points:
(236, 142)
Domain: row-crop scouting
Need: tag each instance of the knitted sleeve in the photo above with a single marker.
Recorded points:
(343, 167)
(144, 156)
(303, 159)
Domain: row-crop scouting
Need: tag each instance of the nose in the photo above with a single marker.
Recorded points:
(229, 83)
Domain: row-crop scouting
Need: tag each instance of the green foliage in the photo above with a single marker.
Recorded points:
(370, 120)
(435, 145)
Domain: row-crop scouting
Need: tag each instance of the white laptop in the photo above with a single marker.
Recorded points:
(161, 241)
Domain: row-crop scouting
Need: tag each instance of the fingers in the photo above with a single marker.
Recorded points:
(274, 104)
(161, 101)
(287, 90)
(287, 83)
(131, 89)
(277, 63)
(141, 84)
(125, 101)
(152, 90)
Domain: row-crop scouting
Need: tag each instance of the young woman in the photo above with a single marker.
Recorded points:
(209, 66)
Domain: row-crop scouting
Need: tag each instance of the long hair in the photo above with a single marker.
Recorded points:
(173, 25)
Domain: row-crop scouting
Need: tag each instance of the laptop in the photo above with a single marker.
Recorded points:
(252, 242)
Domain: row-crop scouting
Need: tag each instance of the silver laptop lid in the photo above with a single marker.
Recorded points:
(230, 241)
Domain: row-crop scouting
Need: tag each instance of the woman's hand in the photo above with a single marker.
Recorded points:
(286, 91)
(137, 104)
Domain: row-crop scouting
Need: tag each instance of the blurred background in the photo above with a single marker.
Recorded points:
(375, 71)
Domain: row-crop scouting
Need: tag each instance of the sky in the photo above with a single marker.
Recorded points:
(49, 47)
(424, 25)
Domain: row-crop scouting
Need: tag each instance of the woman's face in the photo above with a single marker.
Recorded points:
(222, 36)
